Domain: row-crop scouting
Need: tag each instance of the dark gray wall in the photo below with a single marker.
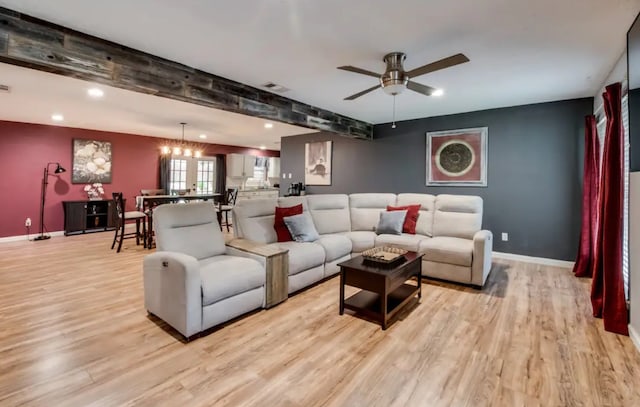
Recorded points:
(534, 170)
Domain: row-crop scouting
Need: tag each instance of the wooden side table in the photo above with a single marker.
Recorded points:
(276, 265)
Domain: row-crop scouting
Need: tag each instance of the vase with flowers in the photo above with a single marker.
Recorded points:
(94, 191)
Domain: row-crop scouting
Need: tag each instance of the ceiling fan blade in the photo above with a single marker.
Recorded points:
(359, 70)
(420, 88)
(438, 65)
(364, 92)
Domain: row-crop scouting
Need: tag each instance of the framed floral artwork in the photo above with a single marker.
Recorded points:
(91, 162)
(457, 157)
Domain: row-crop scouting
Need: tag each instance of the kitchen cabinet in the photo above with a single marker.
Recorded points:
(274, 167)
(89, 216)
(240, 165)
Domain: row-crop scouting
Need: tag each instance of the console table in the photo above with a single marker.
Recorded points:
(89, 216)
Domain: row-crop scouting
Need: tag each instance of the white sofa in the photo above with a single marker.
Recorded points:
(448, 233)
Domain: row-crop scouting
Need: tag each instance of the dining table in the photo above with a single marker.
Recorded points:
(146, 204)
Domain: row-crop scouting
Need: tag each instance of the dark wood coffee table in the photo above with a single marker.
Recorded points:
(384, 291)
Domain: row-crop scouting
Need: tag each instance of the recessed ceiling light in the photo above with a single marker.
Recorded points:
(263, 147)
(57, 117)
(268, 125)
(203, 136)
(95, 93)
(438, 92)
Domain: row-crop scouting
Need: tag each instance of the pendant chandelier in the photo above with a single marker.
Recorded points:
(183, 148)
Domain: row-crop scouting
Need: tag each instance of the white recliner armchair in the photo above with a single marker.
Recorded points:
(191, 282)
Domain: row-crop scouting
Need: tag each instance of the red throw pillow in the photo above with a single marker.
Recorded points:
(281, 229)
(410, 221)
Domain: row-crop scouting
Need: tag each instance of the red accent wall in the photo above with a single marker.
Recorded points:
(25, 149)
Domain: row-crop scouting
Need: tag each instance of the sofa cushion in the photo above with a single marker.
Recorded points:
(282, 230)
(405, 241)
(288, 201)
(361, 240)
(365, 209)
(303, 256)
(424, 224)
(191, 229)
(391, 222)
(335, 246)
(451, 250)
(457, 216)
(226, 276)
(330, 213)
(410, 221)
(301, 227)
(253, 219)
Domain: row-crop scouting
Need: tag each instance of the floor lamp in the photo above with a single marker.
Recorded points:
(45, 182)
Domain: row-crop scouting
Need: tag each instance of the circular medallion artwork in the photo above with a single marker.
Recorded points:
(455, 158)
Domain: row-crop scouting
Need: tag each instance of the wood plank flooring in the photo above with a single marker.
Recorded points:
(74, 332)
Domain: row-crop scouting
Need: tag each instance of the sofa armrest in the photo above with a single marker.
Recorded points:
(482, 249)
(173, 290)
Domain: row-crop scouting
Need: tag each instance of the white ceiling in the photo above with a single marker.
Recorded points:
(35, 96)
(521, 51)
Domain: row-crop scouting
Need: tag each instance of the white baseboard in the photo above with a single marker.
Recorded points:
(530, 259)
(29, 237)
(635, 337)
(57, 233)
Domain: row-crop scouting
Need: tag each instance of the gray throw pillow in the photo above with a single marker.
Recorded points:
(391, 222)
(301, 227)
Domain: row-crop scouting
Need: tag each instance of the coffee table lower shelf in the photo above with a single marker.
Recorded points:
(369, 303)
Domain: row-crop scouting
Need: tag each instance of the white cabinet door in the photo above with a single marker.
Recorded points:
(249, 165)
(235, 165)
(274, 167)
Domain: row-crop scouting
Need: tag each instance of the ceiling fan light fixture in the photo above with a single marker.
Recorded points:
(394, 89)
(438, 92)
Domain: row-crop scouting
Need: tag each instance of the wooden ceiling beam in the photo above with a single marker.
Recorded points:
(33, 43)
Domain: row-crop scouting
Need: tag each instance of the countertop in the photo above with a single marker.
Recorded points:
(258, 189)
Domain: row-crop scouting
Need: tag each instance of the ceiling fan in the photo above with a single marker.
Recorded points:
(395, 79)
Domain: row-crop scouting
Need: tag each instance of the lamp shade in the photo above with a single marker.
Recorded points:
(59, 169)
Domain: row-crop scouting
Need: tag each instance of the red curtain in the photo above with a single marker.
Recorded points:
(591, 178)
(607, 289)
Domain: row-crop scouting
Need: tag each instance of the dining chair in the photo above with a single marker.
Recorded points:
(123, 217)
(226, 205)
(148, 211)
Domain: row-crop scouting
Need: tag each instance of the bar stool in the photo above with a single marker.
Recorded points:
(123, 217)
(224, 208)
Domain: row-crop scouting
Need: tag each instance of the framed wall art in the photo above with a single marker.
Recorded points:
(91, 162)
(457, 157)
(317, 163)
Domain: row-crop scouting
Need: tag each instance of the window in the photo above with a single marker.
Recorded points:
(205, 177)
(196, 175)
(259, 173)
(178, 174)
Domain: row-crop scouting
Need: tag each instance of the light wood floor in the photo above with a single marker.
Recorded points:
(73, 332)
